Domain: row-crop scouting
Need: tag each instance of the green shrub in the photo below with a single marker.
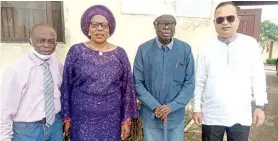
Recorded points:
(271, 61)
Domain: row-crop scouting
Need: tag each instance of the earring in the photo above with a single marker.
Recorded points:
(89, 34)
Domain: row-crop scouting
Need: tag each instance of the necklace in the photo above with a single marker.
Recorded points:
(99, 51)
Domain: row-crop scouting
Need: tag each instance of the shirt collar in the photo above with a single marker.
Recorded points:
(170, 45)
(234, 37)
(37, 60)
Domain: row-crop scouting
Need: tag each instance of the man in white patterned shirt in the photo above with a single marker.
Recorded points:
(30, 95)
(229, 70)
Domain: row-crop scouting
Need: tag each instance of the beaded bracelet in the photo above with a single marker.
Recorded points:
(127, 122)
(67, 120)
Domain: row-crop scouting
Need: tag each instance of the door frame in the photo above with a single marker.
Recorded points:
(257, 12)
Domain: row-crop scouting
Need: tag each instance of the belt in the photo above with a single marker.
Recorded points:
(42, 121)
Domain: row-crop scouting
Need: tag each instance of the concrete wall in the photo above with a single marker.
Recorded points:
(131, 31)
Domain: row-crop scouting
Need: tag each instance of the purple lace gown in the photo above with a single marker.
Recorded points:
(97, 93)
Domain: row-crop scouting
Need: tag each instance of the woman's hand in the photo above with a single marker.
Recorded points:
(125, 131)
(67, 126)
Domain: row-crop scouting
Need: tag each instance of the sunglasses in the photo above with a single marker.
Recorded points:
(230, 19)
(97, 24)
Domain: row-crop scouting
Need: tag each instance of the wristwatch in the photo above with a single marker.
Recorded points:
(260, 107)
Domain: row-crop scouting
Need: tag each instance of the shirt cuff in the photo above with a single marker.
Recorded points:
(153, 105)
(173, 106)
(261, 101)
(196, 106)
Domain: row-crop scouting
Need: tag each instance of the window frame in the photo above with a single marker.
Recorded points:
(48, 19)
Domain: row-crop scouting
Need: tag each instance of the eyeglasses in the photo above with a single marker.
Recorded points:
(162, 24)
(230, 19)
(97, 24)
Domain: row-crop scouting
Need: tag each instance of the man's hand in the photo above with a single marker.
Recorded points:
(197, 117)
(258, 117)
(67, 126)
(157, 108)
(162, 111)
(125, 131)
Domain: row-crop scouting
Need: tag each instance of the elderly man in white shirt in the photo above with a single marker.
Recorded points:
(30, 95)
(229, 70)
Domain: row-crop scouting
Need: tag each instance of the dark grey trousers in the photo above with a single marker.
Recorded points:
(215, 133)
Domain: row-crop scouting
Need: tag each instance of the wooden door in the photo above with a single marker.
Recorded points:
(250, 22)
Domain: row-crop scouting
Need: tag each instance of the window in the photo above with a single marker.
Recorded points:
(18, 17)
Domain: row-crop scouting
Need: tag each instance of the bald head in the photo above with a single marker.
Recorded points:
(38, 27)
(43, 39)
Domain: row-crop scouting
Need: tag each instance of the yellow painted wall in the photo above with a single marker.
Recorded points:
(275, 50)
(265, 54)
(131, 31)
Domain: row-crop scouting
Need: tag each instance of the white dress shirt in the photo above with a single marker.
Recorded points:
(226, 77)
(22, 92)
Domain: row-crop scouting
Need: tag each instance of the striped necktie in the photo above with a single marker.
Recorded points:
(48, 96)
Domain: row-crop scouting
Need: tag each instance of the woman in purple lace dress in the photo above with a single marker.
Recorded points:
(98, 96)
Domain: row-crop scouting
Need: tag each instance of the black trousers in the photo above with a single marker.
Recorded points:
(215, 133)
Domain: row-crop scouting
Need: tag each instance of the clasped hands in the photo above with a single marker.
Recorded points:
(162, 111)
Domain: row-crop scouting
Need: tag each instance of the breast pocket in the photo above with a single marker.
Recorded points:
(179, 72)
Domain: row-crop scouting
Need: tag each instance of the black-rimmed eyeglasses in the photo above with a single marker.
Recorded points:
(162, 24)
(97, 24)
